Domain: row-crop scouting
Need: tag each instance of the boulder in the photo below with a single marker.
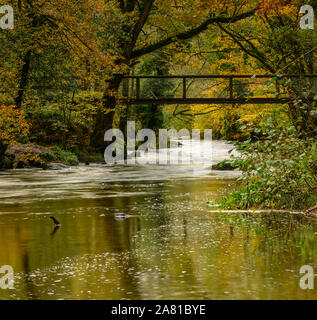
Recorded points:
(224, 166)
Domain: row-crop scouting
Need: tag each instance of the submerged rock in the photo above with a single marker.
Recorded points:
(57, 166)
(121, 216)
(224, 165)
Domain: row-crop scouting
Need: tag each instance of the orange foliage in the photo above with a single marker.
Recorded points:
(12, 124)
(279, 7)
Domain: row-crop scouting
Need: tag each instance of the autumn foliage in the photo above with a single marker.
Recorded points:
(13, 124)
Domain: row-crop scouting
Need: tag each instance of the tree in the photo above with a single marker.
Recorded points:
(144, 33)
(13, 127)
(275, 41)
(53, 46)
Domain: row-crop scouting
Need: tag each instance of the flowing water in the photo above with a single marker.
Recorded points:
(170, 246)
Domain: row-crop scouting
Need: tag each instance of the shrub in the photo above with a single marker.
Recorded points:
(67, 123)
(48, 156)
(65, 157)
(279, 171)
(13, 127)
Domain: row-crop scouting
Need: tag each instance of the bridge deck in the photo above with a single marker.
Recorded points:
(161, 101)
(229, 90)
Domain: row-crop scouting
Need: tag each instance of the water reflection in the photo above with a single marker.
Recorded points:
(168, 247)
(56, 228)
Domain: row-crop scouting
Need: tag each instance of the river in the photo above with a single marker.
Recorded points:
(170, 246)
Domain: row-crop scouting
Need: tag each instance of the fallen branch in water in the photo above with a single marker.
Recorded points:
(309, 211)
(257, 211)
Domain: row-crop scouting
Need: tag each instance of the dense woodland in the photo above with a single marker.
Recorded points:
(62, 68)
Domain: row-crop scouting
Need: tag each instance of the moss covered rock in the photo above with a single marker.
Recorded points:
(225, 166)
(32, 155)
(25, 155)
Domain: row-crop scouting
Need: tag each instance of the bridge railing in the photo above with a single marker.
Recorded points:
(221, 89)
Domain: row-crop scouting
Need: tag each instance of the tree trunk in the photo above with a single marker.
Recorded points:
(24, 78)
(104, 120)
(3, 148)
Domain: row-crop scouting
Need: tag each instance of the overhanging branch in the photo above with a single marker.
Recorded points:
(190, 33)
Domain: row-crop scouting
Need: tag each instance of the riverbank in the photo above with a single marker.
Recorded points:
(18, 156)
(278, 172)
